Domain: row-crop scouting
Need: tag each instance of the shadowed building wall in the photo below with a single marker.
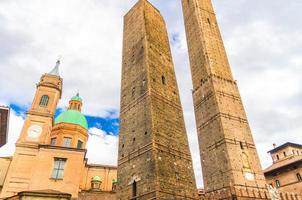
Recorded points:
(154, 158)
(4, 118)
(230, 163)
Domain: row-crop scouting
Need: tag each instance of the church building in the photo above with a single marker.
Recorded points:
(51, 154)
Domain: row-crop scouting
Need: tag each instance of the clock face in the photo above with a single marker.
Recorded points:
(249, 176)
(34, 132)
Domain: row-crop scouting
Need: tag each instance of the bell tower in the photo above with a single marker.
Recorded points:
(39, 119)
(36, 131)
(230, 163)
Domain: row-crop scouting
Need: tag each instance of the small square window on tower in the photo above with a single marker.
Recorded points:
(80, 144)
(66, 142)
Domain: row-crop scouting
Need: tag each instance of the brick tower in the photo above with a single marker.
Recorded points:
(230, 163)
(154, 159)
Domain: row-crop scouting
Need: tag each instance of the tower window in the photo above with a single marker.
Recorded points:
(133, 91)
(80, 144)
(53, 141)
(44, 101)
(66, 142)
(134, 189)
(58, 170)
(278, 183)
(299, 177)
(209, 21)
(241, 145)
(163, 80)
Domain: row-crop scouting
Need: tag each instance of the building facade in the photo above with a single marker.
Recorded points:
(154, 160)
(50, 154)
(230, 163)
(285, 174)
(4, 119)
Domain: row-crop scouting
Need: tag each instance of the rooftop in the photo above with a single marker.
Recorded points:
(285, 163)
(284, 146)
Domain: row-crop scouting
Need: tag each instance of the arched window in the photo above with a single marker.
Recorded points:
(277, 157)
(299, 177)
(163, 80)
(134, 189)
(277, 184)
(44, 100)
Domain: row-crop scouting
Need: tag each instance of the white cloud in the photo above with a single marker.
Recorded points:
(101, 147)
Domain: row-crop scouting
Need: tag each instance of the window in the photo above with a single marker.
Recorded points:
(80, 144)
(277, 157)
(66, 142)
(133, 91)
(209, 21)
(163, 80)
(53, 141)
(241, 145)
(299, 177)
(44, 101)
(134, 189)
(58, 169)
(277, 183)
(284, 153)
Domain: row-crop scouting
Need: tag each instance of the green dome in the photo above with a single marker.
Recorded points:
(72, 117)
(96, 178)
(76, 98)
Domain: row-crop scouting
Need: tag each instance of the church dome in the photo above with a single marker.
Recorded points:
(96, 178)
(72, 117)
(76, 98)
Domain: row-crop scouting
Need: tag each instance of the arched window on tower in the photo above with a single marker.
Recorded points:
(134, 190)
(44, 101)
(299, 177)
(163, 80)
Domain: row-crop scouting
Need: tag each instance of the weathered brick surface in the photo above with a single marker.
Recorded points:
(89, 195)
(227, 147)
(153, 145)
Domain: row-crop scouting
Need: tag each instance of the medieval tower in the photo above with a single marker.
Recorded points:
(154, 160)
(230, 163)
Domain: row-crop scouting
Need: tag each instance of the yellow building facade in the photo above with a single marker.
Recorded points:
(50, 154)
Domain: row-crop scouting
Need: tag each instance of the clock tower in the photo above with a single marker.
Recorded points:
(39, 119)
(35, 132)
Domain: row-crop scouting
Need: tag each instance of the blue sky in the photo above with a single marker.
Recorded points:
(108, 124)
(262, 38)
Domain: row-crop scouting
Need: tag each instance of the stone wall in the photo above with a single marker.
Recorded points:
(86, 195)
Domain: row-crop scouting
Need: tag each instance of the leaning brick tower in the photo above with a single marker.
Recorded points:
(154, 159)
(230, 163)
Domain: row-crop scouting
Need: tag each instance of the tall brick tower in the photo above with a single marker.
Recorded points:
(154, 159)
(231, 167)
